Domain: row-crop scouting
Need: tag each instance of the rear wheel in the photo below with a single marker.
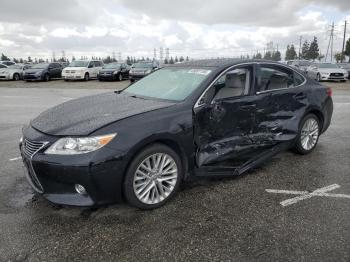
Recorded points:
(120, 77)
(46, 77)
(309, 131)
(153, 177)
(16, 77)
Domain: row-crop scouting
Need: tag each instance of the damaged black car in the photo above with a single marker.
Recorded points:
(200, 118)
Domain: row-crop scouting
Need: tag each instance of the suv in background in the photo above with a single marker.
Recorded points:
(82, 70)
(141, 69)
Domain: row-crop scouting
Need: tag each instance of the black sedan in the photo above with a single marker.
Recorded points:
(114, 71)
(206, 118)
(43, 72)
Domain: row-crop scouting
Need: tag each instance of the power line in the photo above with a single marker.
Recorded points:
(343, 49)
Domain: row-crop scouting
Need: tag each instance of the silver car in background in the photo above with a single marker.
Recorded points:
(327, 72)
(13, 72)
(302, 65)
(345, 66)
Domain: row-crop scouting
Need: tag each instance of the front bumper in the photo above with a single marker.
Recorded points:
(55, 176)
(72, 76)
(104, 76)
(136, 77)
(5, 77)
(331, 77)
(32, 77)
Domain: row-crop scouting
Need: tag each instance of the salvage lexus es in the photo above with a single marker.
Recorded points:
(204, 118)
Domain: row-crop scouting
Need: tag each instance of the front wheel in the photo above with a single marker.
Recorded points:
(16, 77)
(86, 77)
(120, 77)
(47, 77)
(318, 78)
(153, 177)
(309, 131)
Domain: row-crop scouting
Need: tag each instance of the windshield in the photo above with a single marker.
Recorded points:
(169, 83)
(347, 66)
(111, 66)
(40, 66)
(15, 67)
(79, 64)
(142, 65)
(327, 66)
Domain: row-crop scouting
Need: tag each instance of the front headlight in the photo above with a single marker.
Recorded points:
(116, 72)
(148, 71)
(78, 145)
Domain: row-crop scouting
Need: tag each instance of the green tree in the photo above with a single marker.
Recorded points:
(347, 49)
(339, 57)
(171, 60)
(187, 59)
(268, 55)
(30, 59)
(314, 51)
(291, 54)
(176, 59)
(276, 56)
(305, 50)
(166, 61)
(181, 59)
(4, 58)
(258, 56)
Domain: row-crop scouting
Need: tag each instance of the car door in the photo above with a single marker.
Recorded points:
(281, 100)
(223, 123)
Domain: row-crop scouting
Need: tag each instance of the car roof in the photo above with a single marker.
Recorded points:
(222, 63)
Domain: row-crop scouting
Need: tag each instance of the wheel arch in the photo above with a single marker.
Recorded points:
(318, 113)
(169, 142)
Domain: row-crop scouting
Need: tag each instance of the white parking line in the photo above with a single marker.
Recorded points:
(15, 158)
(322, 192)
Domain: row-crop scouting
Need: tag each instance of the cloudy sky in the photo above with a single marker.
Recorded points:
(197, 28)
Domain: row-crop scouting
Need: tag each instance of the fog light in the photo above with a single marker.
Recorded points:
(80, 189)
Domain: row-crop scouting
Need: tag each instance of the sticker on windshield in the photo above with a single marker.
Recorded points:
(199, 71)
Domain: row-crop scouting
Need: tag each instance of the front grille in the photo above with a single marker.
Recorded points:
(32, 147)
(337, 74)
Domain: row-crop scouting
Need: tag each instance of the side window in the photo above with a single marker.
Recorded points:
(97, 64)
(234, 83)
(91, 64)
(298, 79)
(272, 78)
(2, 66)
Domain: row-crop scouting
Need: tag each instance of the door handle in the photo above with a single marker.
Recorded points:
(248, 106)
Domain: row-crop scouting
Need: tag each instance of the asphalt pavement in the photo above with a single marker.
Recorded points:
(244, 218)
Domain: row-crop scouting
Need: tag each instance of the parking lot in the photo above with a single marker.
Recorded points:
(293, 208)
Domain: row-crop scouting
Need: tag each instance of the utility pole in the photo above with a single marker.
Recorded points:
(330, 43)
(161, 55)
(113, 56)
(154, 54)
(300, 39)
(119, 57)
(342, 51)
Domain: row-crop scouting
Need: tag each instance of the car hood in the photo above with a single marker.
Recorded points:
(81, 117)
(30, 70)
(331, 70)
(75, 68)
(109, 70)
(9, 70)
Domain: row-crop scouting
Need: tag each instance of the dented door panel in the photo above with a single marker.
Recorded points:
(223, 130)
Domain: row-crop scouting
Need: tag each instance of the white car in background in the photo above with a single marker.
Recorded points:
(326, 72)
(82, 70)
(13, 72)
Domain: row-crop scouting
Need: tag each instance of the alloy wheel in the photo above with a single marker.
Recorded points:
(155, 178)
(120, 77)
(309, 134)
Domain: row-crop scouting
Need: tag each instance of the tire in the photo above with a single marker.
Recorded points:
(307, 132)
(120, 77)
(46, 77)
(318, 78)
(155, 188)
(86, 77)
(16, 77)
(66, 80)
